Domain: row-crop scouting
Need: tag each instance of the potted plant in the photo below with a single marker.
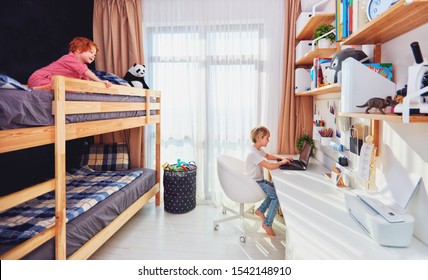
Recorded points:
(326, 41)
(305, 138)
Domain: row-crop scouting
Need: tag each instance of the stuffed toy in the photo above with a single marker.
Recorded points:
(135, 76)
(336, 63)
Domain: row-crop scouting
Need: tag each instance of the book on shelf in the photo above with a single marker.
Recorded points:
(324, 67)
(338, 21)
(342, 19)
(351, 15)
(319, 67)
(383, 69)
(345, 18)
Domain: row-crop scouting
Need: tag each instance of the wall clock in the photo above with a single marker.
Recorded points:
(376, 7)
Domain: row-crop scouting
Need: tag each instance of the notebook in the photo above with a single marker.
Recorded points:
(302, 162)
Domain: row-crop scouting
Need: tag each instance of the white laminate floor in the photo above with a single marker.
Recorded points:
(153, 234)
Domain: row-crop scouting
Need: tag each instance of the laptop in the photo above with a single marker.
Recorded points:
(302, 162)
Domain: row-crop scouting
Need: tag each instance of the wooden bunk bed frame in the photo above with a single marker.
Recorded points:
(22, 138)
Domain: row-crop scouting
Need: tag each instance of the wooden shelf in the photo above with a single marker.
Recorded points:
(397, 20)
(322, 90)
(308, 59)
(316, 20)
(385, 117)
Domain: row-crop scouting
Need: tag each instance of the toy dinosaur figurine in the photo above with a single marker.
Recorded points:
(378, 103)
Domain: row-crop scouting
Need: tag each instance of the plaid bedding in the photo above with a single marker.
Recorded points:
(103, 157)
(85, 188)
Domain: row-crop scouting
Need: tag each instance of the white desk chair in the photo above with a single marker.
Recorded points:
(238, 187)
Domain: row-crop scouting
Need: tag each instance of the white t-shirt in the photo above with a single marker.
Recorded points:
(252, 167)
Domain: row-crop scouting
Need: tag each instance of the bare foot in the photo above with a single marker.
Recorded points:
(46, 87)
(261, 215)
(268, 230)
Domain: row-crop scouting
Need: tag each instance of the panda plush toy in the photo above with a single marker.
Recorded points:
(135, 76)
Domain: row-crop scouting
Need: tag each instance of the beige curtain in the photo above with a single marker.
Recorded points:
(117, 28)
(296, 112)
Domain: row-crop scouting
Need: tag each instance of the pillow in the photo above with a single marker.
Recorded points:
(106, 157)
(112, 78)
(8, 82)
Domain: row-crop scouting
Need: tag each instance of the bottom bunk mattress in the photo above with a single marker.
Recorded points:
(86, 225)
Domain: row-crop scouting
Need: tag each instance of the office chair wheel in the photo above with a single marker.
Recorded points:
(242, 239)
(216, 226)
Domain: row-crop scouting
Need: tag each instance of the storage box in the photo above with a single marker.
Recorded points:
(325, 141)
(302, 21)
(303, 48)
(302, 80)
(359, 84)
(325, 6)
(316, 133)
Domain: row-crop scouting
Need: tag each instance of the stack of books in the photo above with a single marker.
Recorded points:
(351, 15)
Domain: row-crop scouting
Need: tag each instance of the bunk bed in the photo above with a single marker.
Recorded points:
(62, 238)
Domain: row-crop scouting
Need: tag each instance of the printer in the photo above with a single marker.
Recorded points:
(386, 226)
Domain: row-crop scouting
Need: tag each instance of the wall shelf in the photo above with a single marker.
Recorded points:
(315, 20)
(322, 90)
(308, 59)
(402, 17)
(386, 117)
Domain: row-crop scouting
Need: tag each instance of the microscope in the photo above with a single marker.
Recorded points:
(417, 87)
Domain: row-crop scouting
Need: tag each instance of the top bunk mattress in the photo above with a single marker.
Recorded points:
(20, 108)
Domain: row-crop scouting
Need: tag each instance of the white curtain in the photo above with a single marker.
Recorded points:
(218, 67)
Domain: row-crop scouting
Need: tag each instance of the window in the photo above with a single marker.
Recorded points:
(210, 81)
(217, 67)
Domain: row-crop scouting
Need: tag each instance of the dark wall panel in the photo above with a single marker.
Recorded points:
(35, 33)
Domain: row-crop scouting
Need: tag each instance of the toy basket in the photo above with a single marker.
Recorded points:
(179, 188)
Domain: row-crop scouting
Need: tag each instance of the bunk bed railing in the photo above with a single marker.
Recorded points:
(16, 139)
(86, 250)
(16, 198)
(28, 246)
(22, 138)
(59, 86)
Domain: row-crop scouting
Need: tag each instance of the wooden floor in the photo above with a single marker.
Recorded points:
(153, 234)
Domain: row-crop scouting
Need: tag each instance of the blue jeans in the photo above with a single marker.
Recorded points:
(271, 201)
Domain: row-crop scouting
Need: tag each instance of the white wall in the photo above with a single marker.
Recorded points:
(405, 144)
(399, 53)
(401, 145)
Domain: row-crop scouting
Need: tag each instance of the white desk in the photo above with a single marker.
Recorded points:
(318, 224)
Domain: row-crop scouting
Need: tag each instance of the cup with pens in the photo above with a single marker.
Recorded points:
(318, 125)
(326, 136)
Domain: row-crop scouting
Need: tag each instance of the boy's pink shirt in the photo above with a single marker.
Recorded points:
(68, 65)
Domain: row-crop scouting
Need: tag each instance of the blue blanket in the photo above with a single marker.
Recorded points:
(85, 188)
